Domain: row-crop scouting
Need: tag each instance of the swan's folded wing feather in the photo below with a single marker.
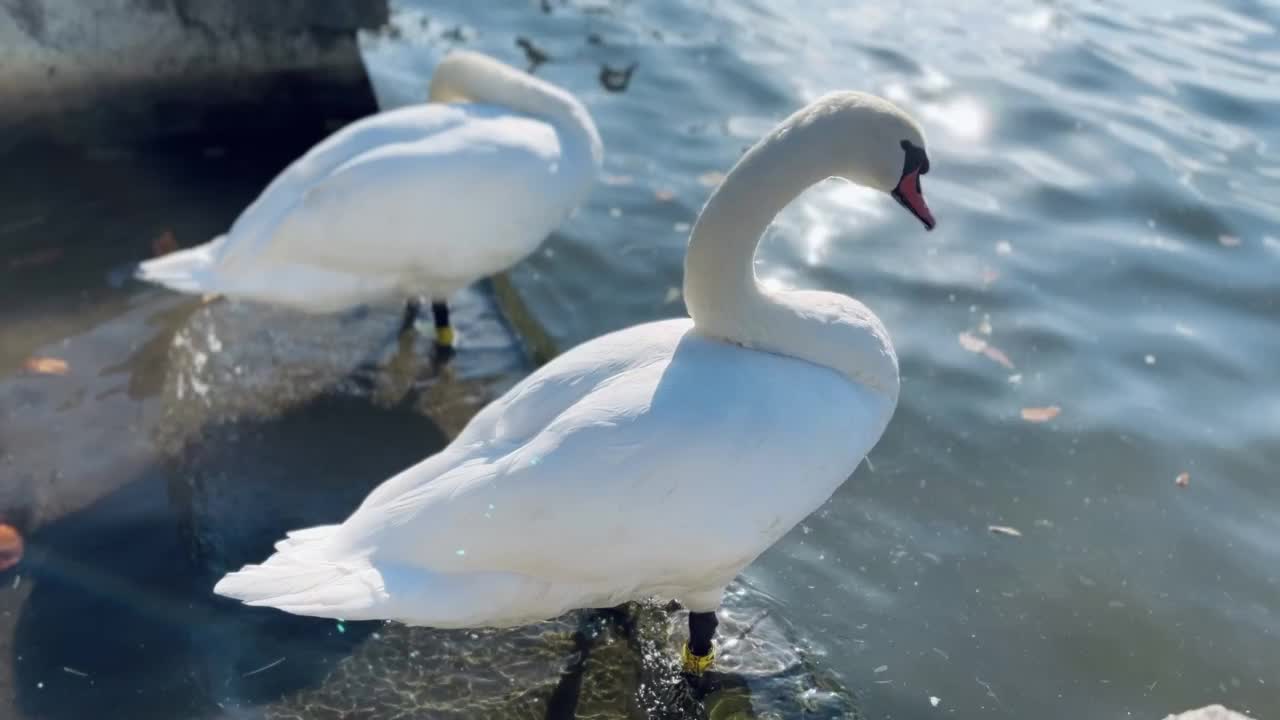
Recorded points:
(666, 475)
(443, 199)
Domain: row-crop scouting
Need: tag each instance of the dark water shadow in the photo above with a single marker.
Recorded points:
(121, 613)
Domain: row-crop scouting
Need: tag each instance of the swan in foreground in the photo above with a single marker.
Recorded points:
(425, 199)
(655, 461)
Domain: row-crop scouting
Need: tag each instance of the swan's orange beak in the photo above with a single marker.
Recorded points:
(910, 196)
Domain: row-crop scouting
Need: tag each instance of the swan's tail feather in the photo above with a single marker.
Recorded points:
(186, 271)
(304, 579)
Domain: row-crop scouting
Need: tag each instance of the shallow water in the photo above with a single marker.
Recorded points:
(1105, 179)
(1104, 175)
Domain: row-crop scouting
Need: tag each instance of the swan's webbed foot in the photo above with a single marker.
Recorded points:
(699, 653)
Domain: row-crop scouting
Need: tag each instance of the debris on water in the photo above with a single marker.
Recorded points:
(1183, 479)
(989, 275)
(1004, 248)
(673, 294)
(711, 178)
(17, 580)
(617, 180)
(664, 195)
(1228, 241)
(975, 344)
(163, 244)
(616, 80)
(341, 626)
(984, 327)
(1040, 414)
(1149, 359)
(264, 668)
(1015, 379)
(11, 548)
(47, 365)
(73, 671)
(942, 654)
(534, 54)
(880, 669)
(934, 700)
(1005, 530)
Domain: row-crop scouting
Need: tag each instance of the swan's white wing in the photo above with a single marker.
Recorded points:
(470, 193)
(284, 191)
(676, 471)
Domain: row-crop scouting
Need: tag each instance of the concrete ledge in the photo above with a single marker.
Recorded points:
(138, 69)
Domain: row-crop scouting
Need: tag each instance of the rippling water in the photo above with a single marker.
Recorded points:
(1105, 179)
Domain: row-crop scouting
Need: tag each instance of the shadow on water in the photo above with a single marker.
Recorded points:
(121, 614)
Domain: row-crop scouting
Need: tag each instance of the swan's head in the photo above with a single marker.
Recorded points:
(883, 147)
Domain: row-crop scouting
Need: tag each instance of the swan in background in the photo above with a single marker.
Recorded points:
(421, 200)
(655, 461)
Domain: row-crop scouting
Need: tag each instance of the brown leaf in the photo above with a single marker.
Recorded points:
(1183, 479)
(971, 342)
(1005, 530)
(11, 546)
(47, 365)
(711, 178)
(996, 354)
(1040, 414)
(664, 195)
(164, 244)
(975, 344)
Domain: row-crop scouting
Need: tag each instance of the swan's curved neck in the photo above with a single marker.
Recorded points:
(721, 291)
(471, 77)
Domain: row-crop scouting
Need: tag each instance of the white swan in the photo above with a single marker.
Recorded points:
(424, 199)
(658, 460)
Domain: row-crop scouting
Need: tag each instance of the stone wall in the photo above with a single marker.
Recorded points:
(147, 68)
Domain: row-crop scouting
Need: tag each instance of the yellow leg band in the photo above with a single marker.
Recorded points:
(696, 664)
(444, 336)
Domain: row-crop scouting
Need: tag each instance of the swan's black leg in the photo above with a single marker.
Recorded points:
(444, 331)
(412, 309)
(699, 652)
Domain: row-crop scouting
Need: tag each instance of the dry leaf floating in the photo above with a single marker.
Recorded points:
(47, 365)
(1040, 414)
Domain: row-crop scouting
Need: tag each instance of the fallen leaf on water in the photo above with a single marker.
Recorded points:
(1040, 414)
(164, 244)
(47, 365)
(711, 178)
(1005, 530)
(1228, 241)
(996, 354)
(1183, 479)
(664, 195)
(11, 545)
(975, 344)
